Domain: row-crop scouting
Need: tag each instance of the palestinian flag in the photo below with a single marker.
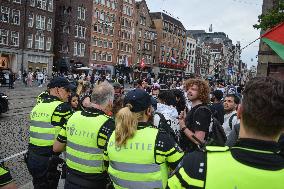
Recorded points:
(275, 39)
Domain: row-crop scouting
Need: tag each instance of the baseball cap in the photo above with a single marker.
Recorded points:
(139, 99)
(60, 82)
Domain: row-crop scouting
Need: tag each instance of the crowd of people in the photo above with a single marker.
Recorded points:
(195, 134)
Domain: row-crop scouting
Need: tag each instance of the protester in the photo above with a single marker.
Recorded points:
(231, 103)
(217, 107)
(197, 121)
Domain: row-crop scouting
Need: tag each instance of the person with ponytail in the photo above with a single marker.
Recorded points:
(137, 154)
(84, 92)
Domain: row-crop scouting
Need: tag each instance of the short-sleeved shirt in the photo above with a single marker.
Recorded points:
(5, 176)
(250, 152)
(103, 135)
(197, 119)
(166, 149)
(59, 117)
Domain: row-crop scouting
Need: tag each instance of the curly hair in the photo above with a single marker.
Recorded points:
(203, 89)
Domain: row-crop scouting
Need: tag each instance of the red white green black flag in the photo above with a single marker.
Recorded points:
(275, 39)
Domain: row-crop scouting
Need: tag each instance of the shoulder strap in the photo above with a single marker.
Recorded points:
(231, 120)
(205, 107)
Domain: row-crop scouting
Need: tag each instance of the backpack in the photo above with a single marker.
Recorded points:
(216, 135)
(231, 120)
(165, 126)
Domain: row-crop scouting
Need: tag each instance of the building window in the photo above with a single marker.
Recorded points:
(81, 13)
(95, 41)
(14, 39)
(109, 57)
(39, 42)
(16, 17)
(94, 55)
(49, 24)
(50, 6)
(110, 44)
(30, 41)
(79, 49)
(48, 43)
(31, 20)
(80, 31)
(4, 37)
(105, 43)
(104, 57)
(41, 4)
(5, 14)
(100, 43)
(32, 3)
(40, 22)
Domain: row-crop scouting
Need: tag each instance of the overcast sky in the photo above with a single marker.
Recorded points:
(234, 17)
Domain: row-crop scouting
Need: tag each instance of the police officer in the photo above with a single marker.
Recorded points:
(47, 118)
(6, 181)
(138, 154)
(85, 136)
(255, 161)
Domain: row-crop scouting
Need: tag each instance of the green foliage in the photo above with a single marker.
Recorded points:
(271, 18)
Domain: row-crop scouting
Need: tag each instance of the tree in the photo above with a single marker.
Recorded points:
(271, 18)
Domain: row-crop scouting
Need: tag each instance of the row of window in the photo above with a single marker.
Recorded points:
(173, 29)
(104, 43)
(42, 4)
(81, 11)
(109, 3)
(124, 34)
(147, 46)
(104, 29)
(123, 46)
(40, 21)
(125, 22)
(10, 16)
(4, 38)
(147, 35)
(147, 59)
(39, 42)
(16, 1)
(102, 56)
(80, 31)
(36, 59)
(104, 16)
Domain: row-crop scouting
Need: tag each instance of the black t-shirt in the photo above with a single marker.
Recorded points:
(197, 119)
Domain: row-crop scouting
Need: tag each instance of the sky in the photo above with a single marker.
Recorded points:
(233, 17)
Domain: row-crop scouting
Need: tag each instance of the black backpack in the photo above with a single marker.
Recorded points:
(165, 126)
(216, 135)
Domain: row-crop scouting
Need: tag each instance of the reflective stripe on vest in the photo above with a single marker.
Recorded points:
(42, 132)
(135, 168)
(43, 136)
(85, 149)
(83, 153)
(90, 163)
(41, 124)
(237, 175)
(136, 184)
(133, 165)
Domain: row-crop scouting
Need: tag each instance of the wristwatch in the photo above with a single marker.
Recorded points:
(183, 129)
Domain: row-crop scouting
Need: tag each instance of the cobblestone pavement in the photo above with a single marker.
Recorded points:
(14, 126)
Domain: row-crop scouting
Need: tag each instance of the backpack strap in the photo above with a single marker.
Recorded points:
(231, 120)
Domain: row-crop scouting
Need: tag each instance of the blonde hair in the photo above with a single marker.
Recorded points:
(126, 123)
